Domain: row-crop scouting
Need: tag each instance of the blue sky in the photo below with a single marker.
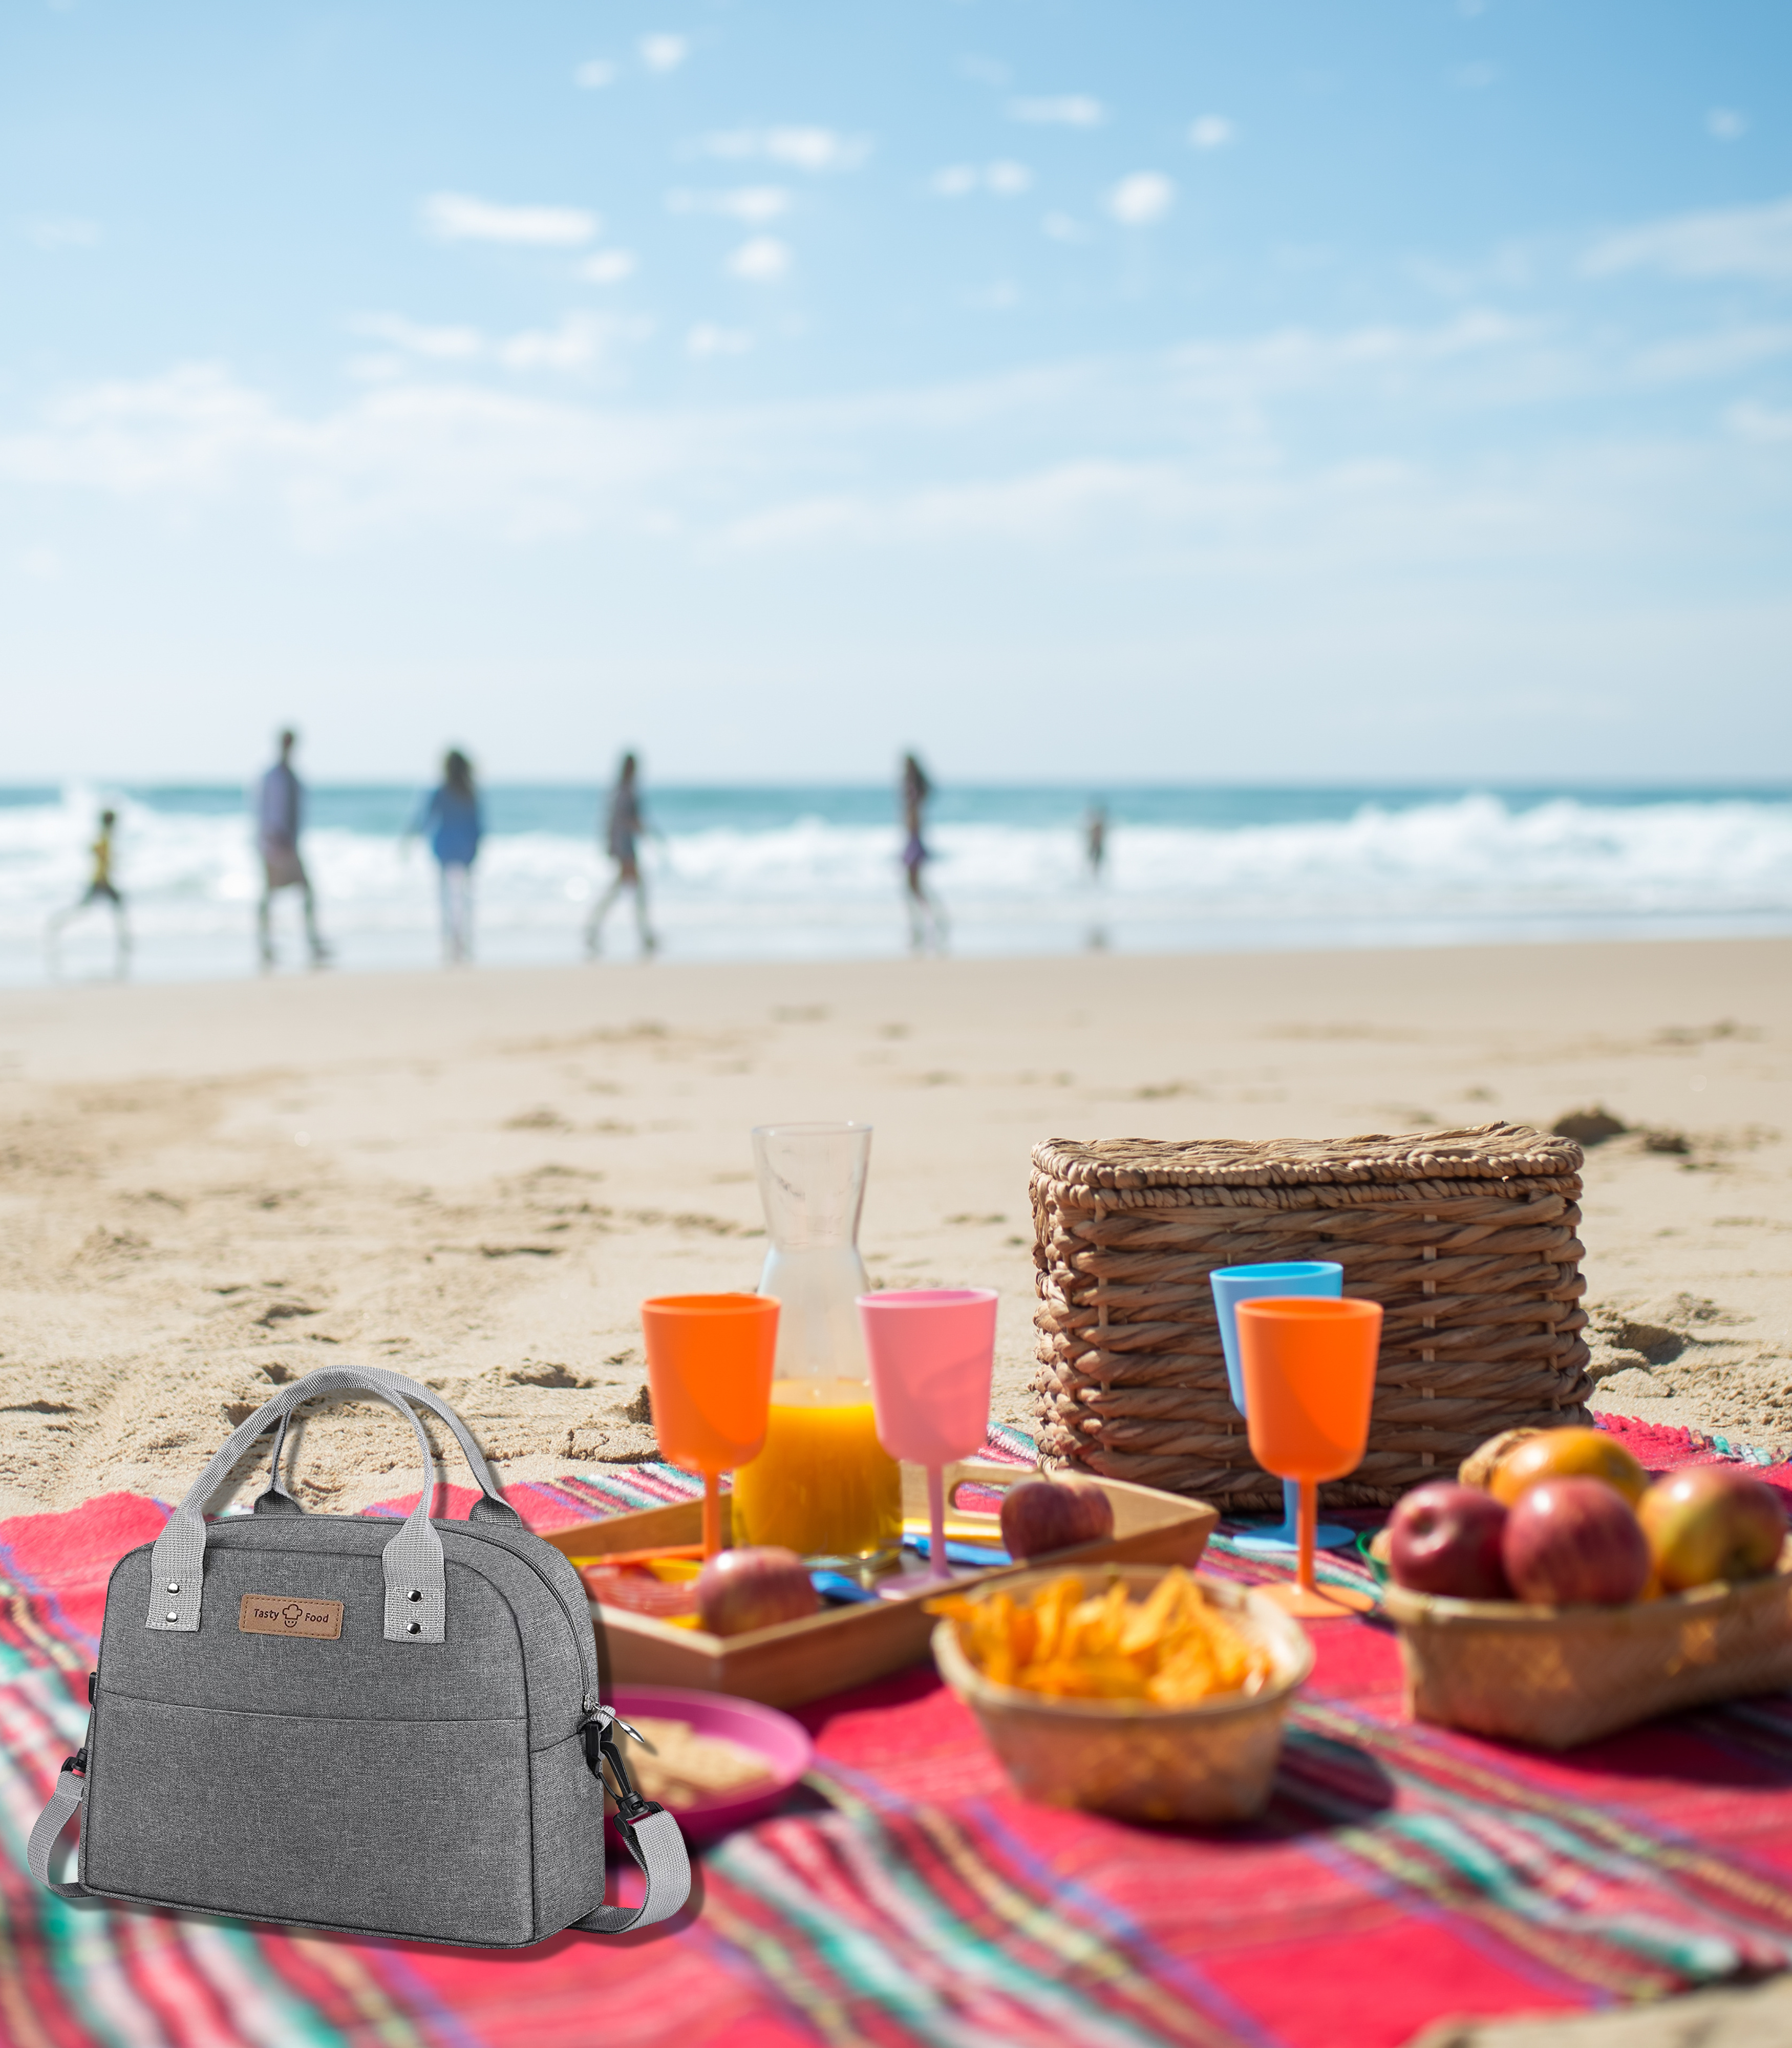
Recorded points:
(1157, 391)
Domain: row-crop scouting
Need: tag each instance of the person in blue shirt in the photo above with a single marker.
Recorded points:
(452, 816)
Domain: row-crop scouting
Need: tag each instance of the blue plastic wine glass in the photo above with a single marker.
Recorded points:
(1231, 1285)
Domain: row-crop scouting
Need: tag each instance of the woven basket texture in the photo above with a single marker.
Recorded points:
(1557, 1678)
(1467, 1238)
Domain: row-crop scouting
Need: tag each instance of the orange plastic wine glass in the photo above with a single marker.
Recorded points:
(709, 1361)
(1309, 1382)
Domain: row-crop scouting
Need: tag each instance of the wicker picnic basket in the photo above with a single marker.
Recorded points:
(1467, 1238)
(1558, 1677)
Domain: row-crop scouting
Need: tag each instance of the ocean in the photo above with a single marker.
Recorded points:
(813, 873)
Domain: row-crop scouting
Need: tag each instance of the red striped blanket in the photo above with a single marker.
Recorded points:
(907, 1897)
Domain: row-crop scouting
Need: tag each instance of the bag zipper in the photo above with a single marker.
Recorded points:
(578, 1619)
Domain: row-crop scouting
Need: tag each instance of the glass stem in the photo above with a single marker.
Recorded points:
(712, 1513)
(936, 1565)
(1309, 1517)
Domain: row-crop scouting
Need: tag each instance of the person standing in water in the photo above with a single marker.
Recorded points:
(923, 911)
(452, 815)
(623, 830)
(279, 819)
(101, 889)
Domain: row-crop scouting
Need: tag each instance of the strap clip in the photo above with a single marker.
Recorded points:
(604, 1758)
(78, 1762)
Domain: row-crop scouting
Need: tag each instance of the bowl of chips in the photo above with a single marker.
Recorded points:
(1138, 1690)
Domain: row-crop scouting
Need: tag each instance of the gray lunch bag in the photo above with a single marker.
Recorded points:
(319, 1719)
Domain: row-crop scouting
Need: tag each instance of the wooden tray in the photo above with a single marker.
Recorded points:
(1556, 1677)
(846, 1645)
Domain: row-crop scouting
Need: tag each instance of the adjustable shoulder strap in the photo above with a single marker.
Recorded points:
(657, 1846)
(65, 1803)
(649, 1834)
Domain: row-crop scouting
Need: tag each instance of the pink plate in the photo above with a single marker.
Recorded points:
(784, 1743)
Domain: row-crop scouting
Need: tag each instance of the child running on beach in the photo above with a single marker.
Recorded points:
(452, 809)
(623, 829)
(101, 889)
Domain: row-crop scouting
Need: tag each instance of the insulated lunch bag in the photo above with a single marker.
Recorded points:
(327, 1721)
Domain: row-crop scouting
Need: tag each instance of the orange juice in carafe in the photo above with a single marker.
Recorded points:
(823, 1486)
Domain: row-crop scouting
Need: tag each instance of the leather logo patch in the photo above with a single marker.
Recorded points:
(274, 1614)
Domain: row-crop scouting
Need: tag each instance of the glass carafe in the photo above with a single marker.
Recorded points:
(823, 1486)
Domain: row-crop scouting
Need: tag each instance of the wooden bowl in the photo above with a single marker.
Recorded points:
(1210, 1763)
(1558, 1677)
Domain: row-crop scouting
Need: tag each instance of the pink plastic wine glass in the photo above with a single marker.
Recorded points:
(932, 1356)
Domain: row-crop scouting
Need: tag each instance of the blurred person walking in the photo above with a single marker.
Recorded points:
(101, 889)
(925, 912)
(452, 815)
(279, 820)
(1095, 840)
(624, 828)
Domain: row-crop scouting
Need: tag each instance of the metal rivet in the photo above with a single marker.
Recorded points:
(172, 1616)
(413, 1594)
(411, 1627)
(174, 1585)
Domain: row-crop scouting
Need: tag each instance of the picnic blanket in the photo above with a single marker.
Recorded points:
(906, 1896)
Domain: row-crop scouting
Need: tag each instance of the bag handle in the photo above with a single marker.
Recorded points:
(412, 1562)
(491, 1505)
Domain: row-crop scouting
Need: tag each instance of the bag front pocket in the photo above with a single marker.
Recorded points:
(417, 1828)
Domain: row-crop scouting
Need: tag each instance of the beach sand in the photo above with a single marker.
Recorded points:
(475, 1177)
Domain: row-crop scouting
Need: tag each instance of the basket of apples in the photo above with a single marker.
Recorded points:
(1552, 1594)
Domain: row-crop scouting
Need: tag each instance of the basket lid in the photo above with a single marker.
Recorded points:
(1488, 1152)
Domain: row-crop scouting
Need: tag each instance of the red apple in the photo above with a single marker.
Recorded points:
(1444, 1537)
(754, 1587)
(1712, 1522)
(1575, 1542)
(1042, 1515)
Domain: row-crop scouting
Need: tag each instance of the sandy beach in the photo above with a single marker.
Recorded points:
(475, 1178)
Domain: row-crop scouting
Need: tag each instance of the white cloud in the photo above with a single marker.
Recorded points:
(1724, 124)
(1689, 359)
(763, 259)
(457, 217)
(755, 204)
(1006, 179)
(664, 53)
(1759, 423)
(608, 266)
(64, 233)
(705, 340)
(1738, 241)
(1065, 227)
(417, 453)
(580, 339)
(597, 73)
(437, 344)
(802, 149)
(1144, 197)
(1070, 110)
(1211, 131)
